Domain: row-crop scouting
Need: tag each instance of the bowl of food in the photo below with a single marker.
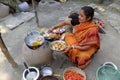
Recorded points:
(34, 40)
(74, 73)
(49, 36)
(58, 45)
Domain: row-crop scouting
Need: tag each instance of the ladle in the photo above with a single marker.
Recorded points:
(26, 66)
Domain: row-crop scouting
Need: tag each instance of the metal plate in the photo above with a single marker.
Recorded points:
(32, 37)
(47, 36)
(58, 45)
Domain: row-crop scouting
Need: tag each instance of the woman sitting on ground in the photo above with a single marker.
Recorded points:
(84, 42)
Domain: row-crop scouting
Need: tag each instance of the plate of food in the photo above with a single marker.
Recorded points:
(74, 73)
(59, 30)
(34, 39)
(49, 36)
(58, 45)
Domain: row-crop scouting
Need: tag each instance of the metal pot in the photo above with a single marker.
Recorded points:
(47, 71)
(31, 74)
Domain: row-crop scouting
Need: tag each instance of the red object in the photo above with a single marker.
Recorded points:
(71, 75)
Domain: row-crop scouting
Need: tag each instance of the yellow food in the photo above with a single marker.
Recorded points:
(51, 35)
(58, 46)
(36, 43)
(39, 39)
(42, 31)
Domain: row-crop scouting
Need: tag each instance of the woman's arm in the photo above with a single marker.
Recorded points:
(81, 47)
(76, 47)
(61, 24)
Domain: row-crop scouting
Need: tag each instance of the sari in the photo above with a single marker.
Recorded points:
(85, 34)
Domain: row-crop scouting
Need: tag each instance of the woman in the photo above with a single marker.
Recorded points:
(84, 42)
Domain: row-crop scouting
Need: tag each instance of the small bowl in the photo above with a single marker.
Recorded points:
(59, 30)
(74, 69)
(47, 71)
(32, 37)
(46, 36)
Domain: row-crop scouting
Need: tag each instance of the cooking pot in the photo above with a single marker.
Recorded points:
(31, 74)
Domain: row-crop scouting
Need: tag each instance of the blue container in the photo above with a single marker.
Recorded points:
(24, 7)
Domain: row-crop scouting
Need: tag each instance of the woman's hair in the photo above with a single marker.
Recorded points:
(88, 11)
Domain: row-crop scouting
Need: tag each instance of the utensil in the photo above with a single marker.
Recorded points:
(47, 71)
(48, 38)
(58, 45)
(59, 30)
(26, 66)
(30, 73)
(33, 37)
(74, 69)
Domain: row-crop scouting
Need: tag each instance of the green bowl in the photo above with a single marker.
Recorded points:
(107, 72)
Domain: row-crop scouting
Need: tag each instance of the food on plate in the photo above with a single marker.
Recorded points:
(58, 36)
(39, 39)
(56, 30)
(36, 43)
(59, 30)
(42, 31)
(51, 35)
(72, 75)
(58, 46)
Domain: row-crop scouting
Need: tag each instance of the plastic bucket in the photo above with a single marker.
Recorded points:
(24, 7)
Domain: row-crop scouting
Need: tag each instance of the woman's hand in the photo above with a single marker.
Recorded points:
(66, 49)
(63, 23)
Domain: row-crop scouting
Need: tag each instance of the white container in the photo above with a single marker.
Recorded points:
(4, 10)
(24, 7)
(32, 75)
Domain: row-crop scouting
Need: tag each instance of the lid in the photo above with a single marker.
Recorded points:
(46, 71)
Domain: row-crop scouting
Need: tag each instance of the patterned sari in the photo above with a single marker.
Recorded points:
(85, 34)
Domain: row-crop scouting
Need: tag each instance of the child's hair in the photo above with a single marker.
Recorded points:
(74, 15)
(88, 11)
